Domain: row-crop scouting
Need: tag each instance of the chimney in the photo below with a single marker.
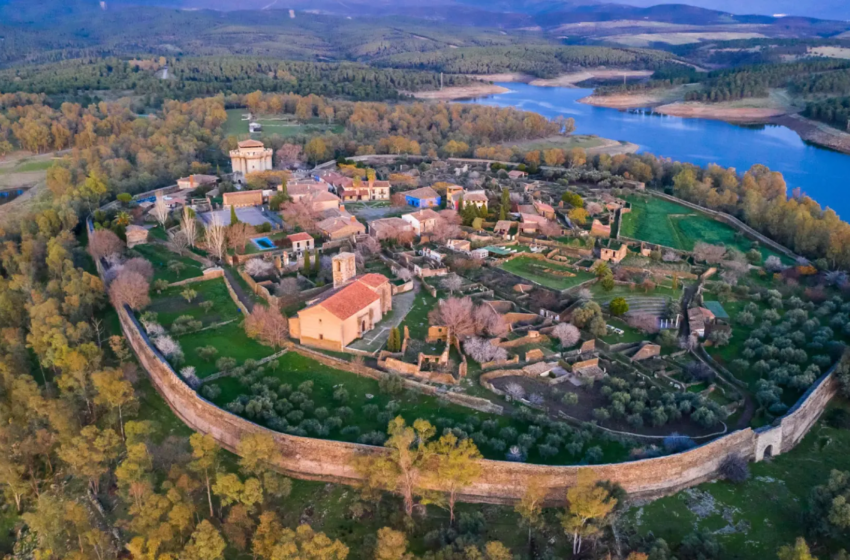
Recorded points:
(342, 207)
(192, 181)
(353, 219)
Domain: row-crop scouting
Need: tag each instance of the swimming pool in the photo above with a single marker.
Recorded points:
(263, 243)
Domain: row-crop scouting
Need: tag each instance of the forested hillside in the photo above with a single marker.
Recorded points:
(195, 77)
(543, 61)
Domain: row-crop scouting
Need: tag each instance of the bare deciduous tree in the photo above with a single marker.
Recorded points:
(288, 287)
(643, 322)
(189, 226)
(298, 215)
(178, 242)
(104, 243)
(711, 254)
(488, 322)
(288, 155)
(140, 265)
(482, 350)
(567, 334)
(258, 267)
(160, 209)
(268, 325)
(215, 236)
(130, 288)
(369, 246)
(457, 314)
(550, 229)
(238, 235)
(452, 283)
(515, 390)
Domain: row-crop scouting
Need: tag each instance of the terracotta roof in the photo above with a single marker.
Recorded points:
(304, 189)
(373, 279)
(255, 197)
(199, 179)
(300, 237)
(324, 196)
(334, 224)
(424, 192)
(424, 214)
(251, 144)
(533, 219)
(337, 179)
(543, 206)
(475, 196)
(503, 225)
(349, 300)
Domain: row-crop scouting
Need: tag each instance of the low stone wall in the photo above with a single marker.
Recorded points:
(505, 482)
(208, 274)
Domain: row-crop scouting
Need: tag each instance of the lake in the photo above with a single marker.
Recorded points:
(819, 172)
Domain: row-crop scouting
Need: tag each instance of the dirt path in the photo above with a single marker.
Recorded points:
(243, 296)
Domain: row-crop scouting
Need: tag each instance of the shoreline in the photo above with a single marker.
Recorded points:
(734, 115)
(813, 132)
(459, 92)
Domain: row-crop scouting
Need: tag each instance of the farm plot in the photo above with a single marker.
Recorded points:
(549, 275)
(168, 266)
(175, 302)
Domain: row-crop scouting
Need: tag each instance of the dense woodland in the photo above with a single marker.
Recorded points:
(538, 60)
(200, 77)
(835, 111)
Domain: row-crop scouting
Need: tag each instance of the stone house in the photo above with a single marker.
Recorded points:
(517, 174)
(370, 190)
(346, 313)
(195, 181)
(339, 227)
(478, 198)
(241, 199)
(422, 221)
(614, 252)
(425, 197)
(388, 227)
(302, 242)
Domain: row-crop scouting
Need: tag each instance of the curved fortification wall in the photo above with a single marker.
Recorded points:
(503, 482)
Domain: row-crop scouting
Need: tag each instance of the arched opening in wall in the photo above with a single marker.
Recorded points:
(768, 452)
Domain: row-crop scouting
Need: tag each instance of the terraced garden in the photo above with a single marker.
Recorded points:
(549, 275)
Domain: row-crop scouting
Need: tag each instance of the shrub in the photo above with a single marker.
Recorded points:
(225, 363)
(207, 353)
(570, 398)
(735, 469)
(618, 306)
(568, 335)
(391, 384)
(210, 392)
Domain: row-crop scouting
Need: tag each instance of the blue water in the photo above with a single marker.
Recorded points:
(820, 173)
(263, 243)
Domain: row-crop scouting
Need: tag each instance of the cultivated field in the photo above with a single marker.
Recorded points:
(236, 126)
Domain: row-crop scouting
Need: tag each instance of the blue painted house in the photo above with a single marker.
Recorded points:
(426, 197)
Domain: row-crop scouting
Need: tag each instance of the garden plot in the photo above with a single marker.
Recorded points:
(550, 275)
(168, 266)
(210, 304)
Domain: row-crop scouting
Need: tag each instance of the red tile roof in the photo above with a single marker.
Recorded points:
(251, 144)
(300, 237)
(373, 279)
(353, 298)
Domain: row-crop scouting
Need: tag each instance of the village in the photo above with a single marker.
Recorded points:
(577, 322)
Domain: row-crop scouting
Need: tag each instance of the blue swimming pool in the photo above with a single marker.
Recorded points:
(263, 243)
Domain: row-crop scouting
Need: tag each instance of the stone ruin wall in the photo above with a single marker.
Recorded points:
(503, 482)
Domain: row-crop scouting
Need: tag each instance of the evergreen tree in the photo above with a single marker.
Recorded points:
(307, 267)
(505, 203)
(317, 264)
(233, 219)
(394, 342)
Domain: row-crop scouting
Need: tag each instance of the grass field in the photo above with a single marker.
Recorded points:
(160, 256)
(754, 519)
(231, 342)
(533, 270)
(660, 221)
(235, 126)
(170, 304)
(562, 142)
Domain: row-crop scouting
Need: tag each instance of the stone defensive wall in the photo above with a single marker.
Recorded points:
(503, 482)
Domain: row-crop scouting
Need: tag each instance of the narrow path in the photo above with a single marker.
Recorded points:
(246, 300)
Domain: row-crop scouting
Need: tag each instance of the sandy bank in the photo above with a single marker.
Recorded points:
(815, 132)
(460, 92)
(624, 101)
(720, 113)
(570, 80)
(504, 77)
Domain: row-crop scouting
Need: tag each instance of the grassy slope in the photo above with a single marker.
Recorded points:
(522, 267)
(770, 503)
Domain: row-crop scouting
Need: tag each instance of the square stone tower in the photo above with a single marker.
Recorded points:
(344, 268)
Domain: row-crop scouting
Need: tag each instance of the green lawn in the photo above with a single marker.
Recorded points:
(160, 256)
(660, 221)
(170, 304)
(533, 270)
(230, 340)
(294, 369)
(235, 126)
(762, 514)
